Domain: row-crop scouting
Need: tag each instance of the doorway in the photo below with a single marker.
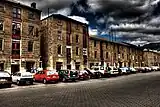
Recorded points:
(58, 65)
(29, 66)
(1, 66)
(15, 68)
(77, 64)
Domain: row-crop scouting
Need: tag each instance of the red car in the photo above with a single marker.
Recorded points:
(46, 76)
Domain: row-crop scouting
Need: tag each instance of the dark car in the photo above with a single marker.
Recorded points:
(5, 79)
(93, 73)
(66, 75)
(84, 75)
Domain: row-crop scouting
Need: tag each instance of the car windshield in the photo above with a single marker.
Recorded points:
(4, 74)
(51, 72)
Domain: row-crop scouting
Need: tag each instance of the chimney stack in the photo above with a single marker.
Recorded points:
(33, 5)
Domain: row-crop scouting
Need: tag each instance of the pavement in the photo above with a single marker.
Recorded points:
(136, 90)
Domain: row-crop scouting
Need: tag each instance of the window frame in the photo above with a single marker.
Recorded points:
(2, 47)
(77, 38)
(58, 49)
(95, 54)
(77, 51)
(95, 43)
(16, 12)
(2, 6)
(59, 35)
(31, 31)
(31, 15)
(107, 55)
(17, 24)
(30, 45)
(2, 22)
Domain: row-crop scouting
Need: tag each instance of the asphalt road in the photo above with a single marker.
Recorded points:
(136, 90)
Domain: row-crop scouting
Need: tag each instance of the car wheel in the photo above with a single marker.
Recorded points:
(31, 82)
(34, 79)
(9, 85)
(44, 81)
(18, 82)
(89, 77)
(100, 75)
(63, 79)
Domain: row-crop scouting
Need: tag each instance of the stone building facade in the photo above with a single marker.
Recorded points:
(19, 36)
(108, 53)
(64, 43)
(151, 58)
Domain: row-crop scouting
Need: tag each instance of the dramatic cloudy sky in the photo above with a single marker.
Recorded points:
(133, 21)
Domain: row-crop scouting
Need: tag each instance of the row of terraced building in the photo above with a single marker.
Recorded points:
(59, 42)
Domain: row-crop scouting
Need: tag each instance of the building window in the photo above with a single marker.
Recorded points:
(77, 38)
(16, 28)
(16, 13)
(15, 45)
(30, 46)
(77, 27)
(77, 51)
(1, 25)
(106, 55)
(59, 49)
(115, 55)
(95, 43)
(127, 57)
(68, 39)
(59, 34)
(31, 15)
(95, 54)
(106, 45)
(59, 22)
(122, 55)
(1, 44)
(30, 30)
(1, 7)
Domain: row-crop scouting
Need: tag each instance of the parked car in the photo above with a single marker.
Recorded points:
(93, 73)
(46, 76)
(22, 78)
(100, 69)
(155, 68)
(124, 70)
(83, 75)
(132, 70)
(112, 71)
(65, 75)
(5, 79)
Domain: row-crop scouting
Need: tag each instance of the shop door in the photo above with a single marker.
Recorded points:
(69, 67)
(77, 65)
(14, 68)
(29, 66)
(1, 66)
(58, 65)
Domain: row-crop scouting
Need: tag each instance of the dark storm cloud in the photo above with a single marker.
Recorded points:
(139, 20)
(53, 5)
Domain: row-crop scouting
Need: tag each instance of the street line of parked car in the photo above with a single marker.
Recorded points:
(46, 76)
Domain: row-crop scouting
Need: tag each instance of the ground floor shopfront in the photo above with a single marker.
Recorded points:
(61, 63)
(115, 64)
(16, 65)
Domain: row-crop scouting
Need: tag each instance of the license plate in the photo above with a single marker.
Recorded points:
(2, 80)
(54, 77)
(73, 75)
